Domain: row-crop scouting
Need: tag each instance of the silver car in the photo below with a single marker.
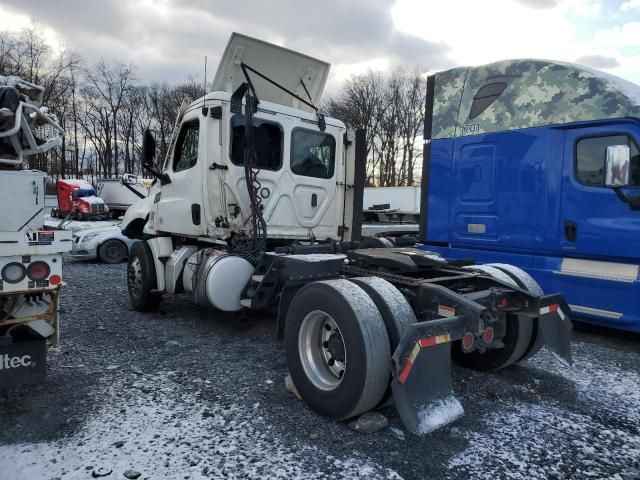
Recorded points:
(105, 243)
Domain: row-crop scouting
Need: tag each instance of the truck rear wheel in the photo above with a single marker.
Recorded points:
(337, 348)
(396, 312)
(516, 339)
(527, 282)
(141, 278)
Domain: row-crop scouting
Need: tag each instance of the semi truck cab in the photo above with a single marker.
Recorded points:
(518, 174)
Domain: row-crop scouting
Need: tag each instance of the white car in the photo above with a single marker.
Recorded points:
(105, 243)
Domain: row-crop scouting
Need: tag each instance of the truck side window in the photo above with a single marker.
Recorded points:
(591, 154)
(312, 153)
(268, 140)
(185, 154)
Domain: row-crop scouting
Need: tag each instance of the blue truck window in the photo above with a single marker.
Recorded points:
(312, 153)
(590, 157)
(186, 152)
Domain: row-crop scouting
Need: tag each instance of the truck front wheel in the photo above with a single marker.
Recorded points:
(337, 348)
(141, 278)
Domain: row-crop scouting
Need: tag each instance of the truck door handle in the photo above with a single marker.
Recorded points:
(314, 200)
(570, 231)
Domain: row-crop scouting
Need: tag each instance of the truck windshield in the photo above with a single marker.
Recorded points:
(84, 192)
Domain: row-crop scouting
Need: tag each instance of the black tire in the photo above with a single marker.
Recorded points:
(365, 340)
(516, 339)
(112, 251)
(54, 213)
(396, 313)
(141, 278)
(526, 282)
(394, 308)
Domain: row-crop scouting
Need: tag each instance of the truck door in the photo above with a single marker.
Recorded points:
(313, 166)
(297, 177)
(594, 221)
(180, 206)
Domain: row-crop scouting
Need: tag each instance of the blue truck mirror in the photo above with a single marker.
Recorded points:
(617, 166)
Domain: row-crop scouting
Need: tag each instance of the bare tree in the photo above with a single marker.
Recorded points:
(391, 108)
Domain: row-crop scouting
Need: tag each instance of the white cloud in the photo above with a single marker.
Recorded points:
(482, 32)
(630, 5)
(628, 35)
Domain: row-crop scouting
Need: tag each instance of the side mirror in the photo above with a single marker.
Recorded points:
(129, 179)
(148, 148)
(148, 154)
(617, 166)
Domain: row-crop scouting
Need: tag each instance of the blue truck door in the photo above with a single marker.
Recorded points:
(595, 223)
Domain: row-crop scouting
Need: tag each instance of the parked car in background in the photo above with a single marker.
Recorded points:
(104, 243)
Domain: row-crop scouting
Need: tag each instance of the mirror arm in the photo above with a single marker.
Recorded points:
(163, 177)
(134, 191)
(633, 202)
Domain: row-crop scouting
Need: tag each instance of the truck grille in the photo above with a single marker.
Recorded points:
(97, 208)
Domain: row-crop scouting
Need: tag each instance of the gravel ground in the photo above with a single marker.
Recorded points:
(189, 393)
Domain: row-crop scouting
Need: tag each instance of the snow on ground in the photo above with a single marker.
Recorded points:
(600, 433)
(439, 413)
(162, 432)
(76, 225)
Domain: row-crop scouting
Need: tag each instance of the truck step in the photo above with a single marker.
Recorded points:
(246, 302)
(257, 278)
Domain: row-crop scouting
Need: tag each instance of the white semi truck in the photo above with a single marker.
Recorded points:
(30, 255)
(258, 205)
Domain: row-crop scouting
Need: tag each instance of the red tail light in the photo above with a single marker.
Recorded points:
(38, 271)
(55, 279)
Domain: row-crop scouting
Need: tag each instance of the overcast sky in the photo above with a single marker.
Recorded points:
(168, 39)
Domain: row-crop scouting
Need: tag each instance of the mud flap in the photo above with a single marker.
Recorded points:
(556, 327)
(23, 363)
(422, 384)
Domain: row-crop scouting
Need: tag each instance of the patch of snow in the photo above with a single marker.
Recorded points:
(600, 382)
(438, 414)
(76, 225)
(163, 432)
(598, 435)
(93, 200)
(540, 441)
(399, 434)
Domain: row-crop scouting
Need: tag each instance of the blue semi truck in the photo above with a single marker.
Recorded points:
(535, 163)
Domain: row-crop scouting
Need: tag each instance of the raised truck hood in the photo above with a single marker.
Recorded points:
(282, 65)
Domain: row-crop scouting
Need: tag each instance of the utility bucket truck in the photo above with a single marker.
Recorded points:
(30, 256)
(258, 205)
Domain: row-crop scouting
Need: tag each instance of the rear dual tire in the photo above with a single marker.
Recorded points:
(521, 339)
(354, 324)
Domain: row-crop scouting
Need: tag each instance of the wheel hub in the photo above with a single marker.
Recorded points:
(134, 277)
(322, 350)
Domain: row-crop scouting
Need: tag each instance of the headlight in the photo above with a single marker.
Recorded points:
(89, 236)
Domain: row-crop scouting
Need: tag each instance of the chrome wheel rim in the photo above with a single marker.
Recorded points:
(134, 277)
(322, 351)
